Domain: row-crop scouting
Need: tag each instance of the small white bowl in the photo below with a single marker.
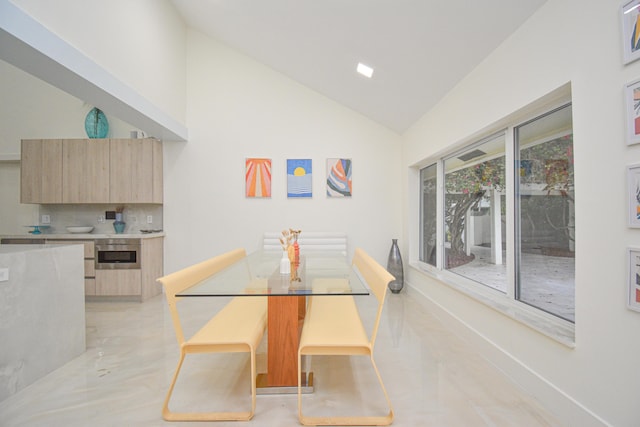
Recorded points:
(80, 229)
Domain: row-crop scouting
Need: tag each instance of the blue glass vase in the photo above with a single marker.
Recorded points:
(118, 224)
(96, 124)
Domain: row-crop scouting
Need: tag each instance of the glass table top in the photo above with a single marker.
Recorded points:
(318, 273)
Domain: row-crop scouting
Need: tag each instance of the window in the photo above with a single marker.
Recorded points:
(474, 182)
(428, 179)
(515, 237)
(545, 239)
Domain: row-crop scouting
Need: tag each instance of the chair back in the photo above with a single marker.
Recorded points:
(377, 278)
(309, 241)
(178, 281)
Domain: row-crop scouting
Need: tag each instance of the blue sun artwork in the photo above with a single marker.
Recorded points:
(299, 178)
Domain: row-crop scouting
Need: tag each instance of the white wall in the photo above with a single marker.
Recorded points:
(238, 108)
(31, 108)
(140, 42)
(574, 41)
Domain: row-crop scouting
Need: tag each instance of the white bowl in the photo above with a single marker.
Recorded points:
(80, 229)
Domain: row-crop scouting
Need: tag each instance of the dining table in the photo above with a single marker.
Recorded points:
(317, 273)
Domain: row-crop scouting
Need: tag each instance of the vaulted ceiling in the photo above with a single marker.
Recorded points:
(419, 49)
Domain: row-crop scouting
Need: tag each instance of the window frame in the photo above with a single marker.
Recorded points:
(553, 326)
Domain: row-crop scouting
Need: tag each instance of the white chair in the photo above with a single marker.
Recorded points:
(309, 241)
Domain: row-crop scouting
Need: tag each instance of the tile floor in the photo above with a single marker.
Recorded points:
(433, 377)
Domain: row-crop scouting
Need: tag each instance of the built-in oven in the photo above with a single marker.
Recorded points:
(117, 254)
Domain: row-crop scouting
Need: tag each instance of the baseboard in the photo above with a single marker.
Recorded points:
(554, 400)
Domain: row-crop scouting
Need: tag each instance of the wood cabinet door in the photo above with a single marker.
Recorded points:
(41, 171)
(30, 171)
(157, 172)
(118, 282)
(51, 171)
(89, 287)
(152, 266)
(131, 171)
(85, 174)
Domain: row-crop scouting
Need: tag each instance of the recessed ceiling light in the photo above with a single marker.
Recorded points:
(365, 70)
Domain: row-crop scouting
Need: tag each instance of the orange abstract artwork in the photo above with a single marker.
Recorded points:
(258, 177)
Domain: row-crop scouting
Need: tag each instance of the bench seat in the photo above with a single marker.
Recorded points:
(333, 326)
(241, 322)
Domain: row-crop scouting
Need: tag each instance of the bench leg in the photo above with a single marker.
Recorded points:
(209, 416)
(384, 420)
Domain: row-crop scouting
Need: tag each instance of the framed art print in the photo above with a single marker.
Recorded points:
(299, 178)
(633, 286)
(630, 15)
(633, 195)
(257, 178)
(339, 178)
(632, 112)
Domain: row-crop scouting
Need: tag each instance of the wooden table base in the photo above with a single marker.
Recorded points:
(285, 319)
(262, 386)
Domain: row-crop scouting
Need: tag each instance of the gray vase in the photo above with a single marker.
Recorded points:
(394, 266)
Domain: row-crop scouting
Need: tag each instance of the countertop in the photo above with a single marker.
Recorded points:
(83, 236)
(11, 249)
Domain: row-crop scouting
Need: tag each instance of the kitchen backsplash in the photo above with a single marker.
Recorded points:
(135, 216)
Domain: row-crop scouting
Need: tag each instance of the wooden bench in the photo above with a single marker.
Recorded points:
(309, 241)
(333, 327)
(238, 327)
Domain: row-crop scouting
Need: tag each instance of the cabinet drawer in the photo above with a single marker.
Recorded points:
(89, 286)
(89, 268)
(118, 282)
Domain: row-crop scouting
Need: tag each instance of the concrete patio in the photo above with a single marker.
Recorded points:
(547, 282)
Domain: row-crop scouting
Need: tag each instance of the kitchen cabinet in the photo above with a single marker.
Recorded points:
(134, 284)
(135, 171)
(152, 267)
(138, 283)
(118, 283)
(41, 171)
(84, 171)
